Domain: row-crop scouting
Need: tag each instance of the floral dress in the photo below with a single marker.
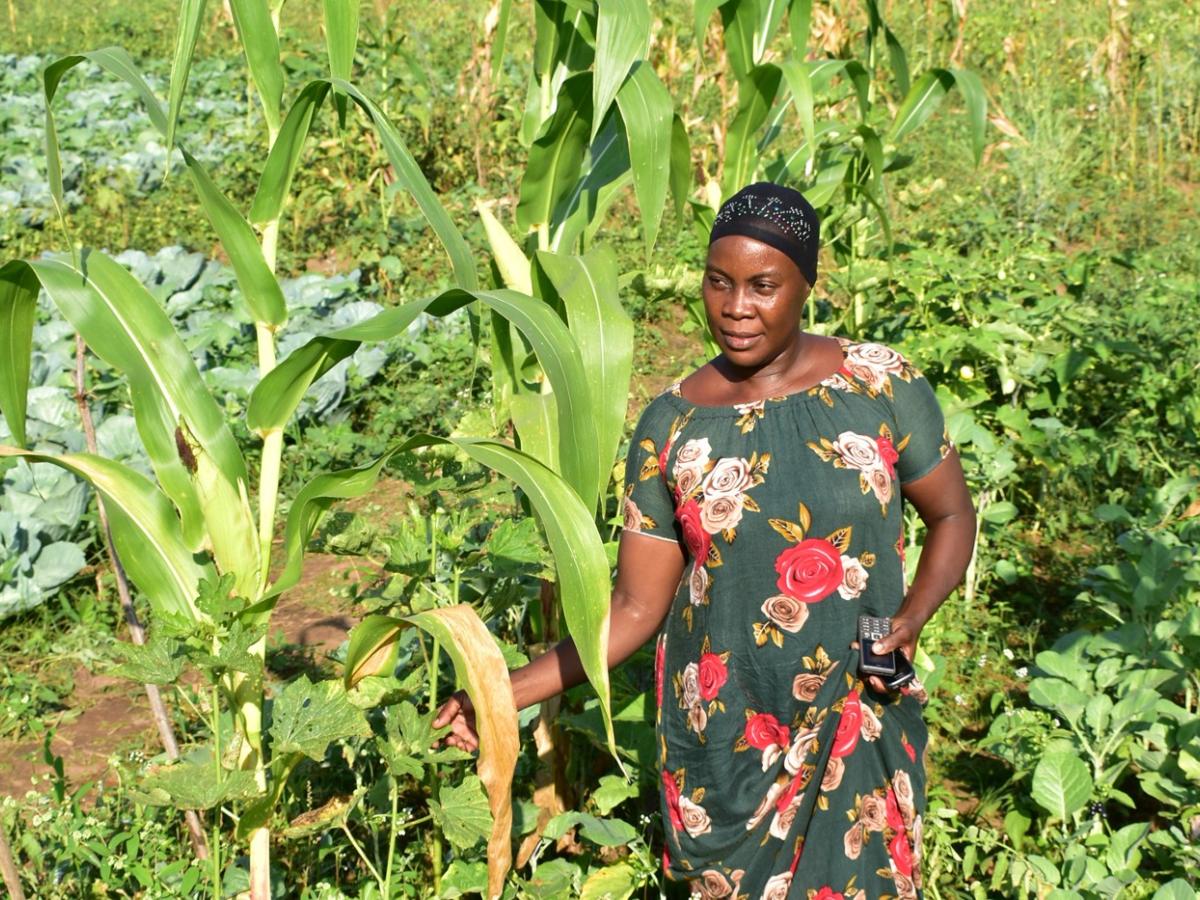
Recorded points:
(783, 774)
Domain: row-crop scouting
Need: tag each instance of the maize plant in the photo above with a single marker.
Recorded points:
(197, 540)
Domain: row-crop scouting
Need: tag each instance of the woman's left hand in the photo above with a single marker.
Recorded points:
(903, 637)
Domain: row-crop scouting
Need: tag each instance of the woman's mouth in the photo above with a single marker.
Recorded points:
(735, 341)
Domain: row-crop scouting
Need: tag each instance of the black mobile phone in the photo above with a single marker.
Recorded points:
(870, 630)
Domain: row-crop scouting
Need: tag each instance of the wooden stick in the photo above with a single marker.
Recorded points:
(9, 870)
(158, 709)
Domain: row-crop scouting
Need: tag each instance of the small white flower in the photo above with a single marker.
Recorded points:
(1022, 672)
(960, 700)
(982, 660)
(1008, 654)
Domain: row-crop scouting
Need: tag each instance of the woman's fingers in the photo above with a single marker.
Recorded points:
(449, 710)
(460, 716)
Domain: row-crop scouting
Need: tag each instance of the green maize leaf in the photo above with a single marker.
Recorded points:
(648, 116)
(535, 417)
(501, 38)
(276, 397)
(770, 14)
(899, 61)
(480, 668)
(579, 558)
(873, 148)
(409, 174)
(18, 311)
(797, 75)
(191, 17)
(605, 176)
(306, 718)
(262, 292)
(681, 167)
(556, 157)
(622, 38)
(511, 262)
(756, 94)
(285, 157)
(276, 178)
(920, 102)
(145, 529)
(113, 60)
(604, 332)
(740, 20)
(341, 38)
(702, 12)
(252, 18)
(259, 286)
(971, 88)
(183, 430)
(821, 72)
(800, 23)
(506, 381)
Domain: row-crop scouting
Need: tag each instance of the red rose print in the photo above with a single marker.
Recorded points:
(911, 751)
(849, 727)
(694, 535)
(828, 893)
(796, 859)
(763, 730)
(789, 794)
(901, 853)
(809, 571)
(666, 860)
(660, 654)
(671, 792)
(713, 675)
(662, 460)
(894, 819)
(887, 451)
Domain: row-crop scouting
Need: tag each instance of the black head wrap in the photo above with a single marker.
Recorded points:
(779, 217)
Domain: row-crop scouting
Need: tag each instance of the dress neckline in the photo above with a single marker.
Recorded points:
(674, 392)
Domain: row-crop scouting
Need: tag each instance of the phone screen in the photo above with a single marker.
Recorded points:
(885, 661)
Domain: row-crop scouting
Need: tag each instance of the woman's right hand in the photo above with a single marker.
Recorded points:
(459, 714)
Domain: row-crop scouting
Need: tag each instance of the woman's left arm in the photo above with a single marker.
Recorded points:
(944, 504)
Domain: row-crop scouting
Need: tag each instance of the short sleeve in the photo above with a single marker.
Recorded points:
(649, 508)
(922, 441)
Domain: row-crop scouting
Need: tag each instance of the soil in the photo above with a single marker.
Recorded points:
(110, 716)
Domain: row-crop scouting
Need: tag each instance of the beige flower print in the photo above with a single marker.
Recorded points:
(835, 769)
(721, 514)
(749, 414)
(730, 477)
(854, 578)
(777, 887)
(786, 612)
(798, 750)
(871, 727)
(806, 685)
(765, 806)
(711, 885)
(781, 822)
(695, 820)
(873, 812)
(698, 586)
(853, 841)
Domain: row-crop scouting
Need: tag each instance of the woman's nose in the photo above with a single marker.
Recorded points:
(738, 304)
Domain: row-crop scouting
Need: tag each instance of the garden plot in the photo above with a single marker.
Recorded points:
(44, 532)
(102, 128)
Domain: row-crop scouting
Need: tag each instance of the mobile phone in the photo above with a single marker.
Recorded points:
(870, 630)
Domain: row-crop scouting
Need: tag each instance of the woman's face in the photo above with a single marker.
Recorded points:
(753, 296)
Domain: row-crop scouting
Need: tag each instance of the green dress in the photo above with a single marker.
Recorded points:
(783, 774)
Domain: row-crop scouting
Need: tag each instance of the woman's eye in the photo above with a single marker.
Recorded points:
(764, 287)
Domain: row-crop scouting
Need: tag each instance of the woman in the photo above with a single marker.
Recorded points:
(762, 517)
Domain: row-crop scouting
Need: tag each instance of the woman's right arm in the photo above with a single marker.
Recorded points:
(648, 574)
